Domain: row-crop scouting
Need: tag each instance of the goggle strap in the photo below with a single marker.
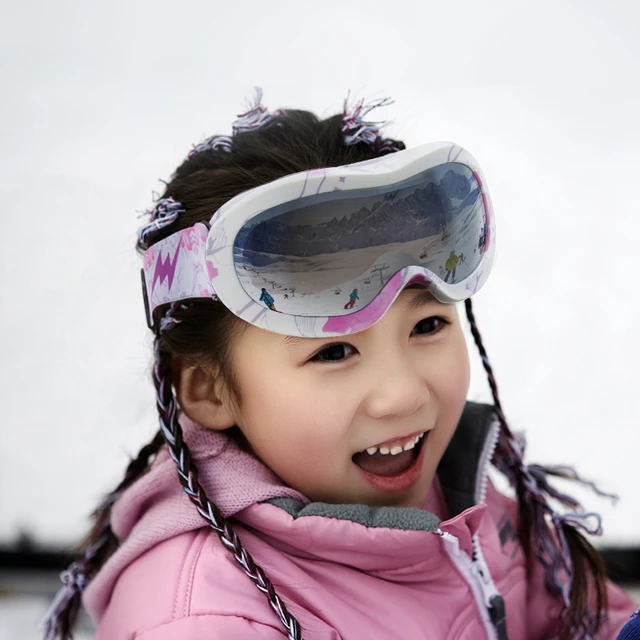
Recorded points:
(176, 269)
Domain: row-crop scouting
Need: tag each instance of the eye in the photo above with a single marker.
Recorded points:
(429, 326)
(334, 353)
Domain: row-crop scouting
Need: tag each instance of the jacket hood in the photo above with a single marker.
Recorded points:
(156, 508)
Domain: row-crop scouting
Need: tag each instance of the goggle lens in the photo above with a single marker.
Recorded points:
(332, 253)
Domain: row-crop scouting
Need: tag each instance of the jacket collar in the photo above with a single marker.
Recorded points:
(465, 464)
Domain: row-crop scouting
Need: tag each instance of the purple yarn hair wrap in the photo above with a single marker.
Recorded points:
(162, 215)
(553, 554)
(256, 117)
(214, 143)
(355, 129)
(67, 600)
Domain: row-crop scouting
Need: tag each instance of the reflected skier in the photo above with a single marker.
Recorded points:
(267, 299)
(450, 265)
(353, 296)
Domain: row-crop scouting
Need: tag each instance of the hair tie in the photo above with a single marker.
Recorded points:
(214, 143)
(168, 321)
(355, 129)
(256, 117)
(162, 215)
(66, 603)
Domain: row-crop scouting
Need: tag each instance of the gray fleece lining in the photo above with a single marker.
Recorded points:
(383, 517)
(457, 472)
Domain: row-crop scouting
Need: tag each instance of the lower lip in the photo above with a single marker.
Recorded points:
(401, 481)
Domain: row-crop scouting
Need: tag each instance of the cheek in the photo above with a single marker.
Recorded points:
(288, 417)
(460, 384)
(452, 389)
(456, 375)
(296, 435)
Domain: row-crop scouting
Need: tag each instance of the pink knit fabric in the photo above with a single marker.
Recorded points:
(156, 508)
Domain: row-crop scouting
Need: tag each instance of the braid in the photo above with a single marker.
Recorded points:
(485, 359)
(61, 618)
(568, 553)
(188, 476)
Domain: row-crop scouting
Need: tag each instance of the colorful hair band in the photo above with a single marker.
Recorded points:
(162, 215)
(355, 129)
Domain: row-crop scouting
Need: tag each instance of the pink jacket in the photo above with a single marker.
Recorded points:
(344, 571)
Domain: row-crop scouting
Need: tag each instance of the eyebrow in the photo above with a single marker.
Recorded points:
(292, 341)
(423, 298)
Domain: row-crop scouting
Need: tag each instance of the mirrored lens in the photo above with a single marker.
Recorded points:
(331, 254)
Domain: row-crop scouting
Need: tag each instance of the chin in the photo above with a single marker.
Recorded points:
(419, 495)
(414, 500)
(415, 503)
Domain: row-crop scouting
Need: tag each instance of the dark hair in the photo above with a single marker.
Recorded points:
(200, 332)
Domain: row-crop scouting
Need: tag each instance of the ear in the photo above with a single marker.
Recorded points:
(204, 398)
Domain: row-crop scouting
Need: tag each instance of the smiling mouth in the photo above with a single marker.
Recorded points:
(389, 461)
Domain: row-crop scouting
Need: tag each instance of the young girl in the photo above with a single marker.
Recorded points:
(329, 446)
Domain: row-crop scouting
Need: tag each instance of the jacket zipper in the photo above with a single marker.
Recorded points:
(492, 598)
(494, 602)
(484, 591)
(482, 476)
(475, 569)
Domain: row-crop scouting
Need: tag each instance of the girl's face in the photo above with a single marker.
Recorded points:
(310, 405)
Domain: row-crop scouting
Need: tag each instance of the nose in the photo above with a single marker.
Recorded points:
(397, 389)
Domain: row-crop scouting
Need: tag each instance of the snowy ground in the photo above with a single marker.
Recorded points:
(25, 599)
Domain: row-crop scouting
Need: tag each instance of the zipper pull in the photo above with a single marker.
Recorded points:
(498, 616)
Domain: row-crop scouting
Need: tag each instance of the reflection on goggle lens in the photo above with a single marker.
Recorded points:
(330, 255)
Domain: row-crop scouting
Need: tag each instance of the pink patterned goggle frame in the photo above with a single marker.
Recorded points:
(326, 252)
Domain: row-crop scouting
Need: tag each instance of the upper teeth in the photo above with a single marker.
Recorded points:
(395, 447)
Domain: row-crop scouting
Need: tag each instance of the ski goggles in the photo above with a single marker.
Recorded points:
(326, 252)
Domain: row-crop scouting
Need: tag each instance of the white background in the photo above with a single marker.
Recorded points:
(101, 100)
